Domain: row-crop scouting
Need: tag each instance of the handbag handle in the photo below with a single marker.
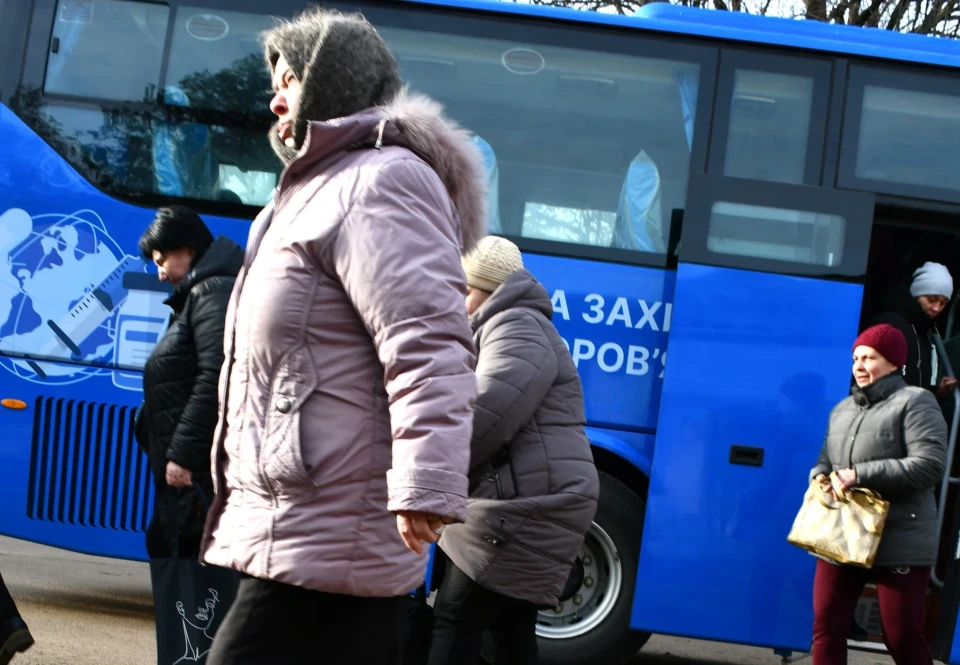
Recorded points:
(844, 495)
(823, 502)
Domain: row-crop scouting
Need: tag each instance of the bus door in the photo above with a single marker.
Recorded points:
(946, 643)
(766, 307)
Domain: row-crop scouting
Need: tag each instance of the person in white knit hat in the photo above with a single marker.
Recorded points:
(533, 484)
(487, 267)
(914, 311)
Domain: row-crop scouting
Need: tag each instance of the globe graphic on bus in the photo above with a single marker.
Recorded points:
(51, 265)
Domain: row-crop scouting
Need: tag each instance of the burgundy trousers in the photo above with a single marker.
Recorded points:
(901, 592)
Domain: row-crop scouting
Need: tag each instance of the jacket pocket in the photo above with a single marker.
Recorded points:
(281, 452)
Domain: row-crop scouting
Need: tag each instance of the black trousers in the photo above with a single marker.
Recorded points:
(464, 610)
(271, 623)
(8, 609)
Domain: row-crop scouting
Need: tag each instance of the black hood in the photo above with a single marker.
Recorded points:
(899, 300)
(343, 66)
(223, 258)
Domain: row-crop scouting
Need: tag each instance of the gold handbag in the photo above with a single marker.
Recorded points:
(846, 529)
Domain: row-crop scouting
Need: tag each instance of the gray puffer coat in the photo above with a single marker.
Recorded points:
(533, 484)
(895, 437)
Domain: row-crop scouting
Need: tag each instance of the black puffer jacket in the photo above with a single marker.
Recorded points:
(903, 312)
(179, 412)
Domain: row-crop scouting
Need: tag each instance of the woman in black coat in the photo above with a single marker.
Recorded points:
(176, 422)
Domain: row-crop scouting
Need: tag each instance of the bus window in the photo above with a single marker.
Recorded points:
(110, 50)
(584, 227)
(216, 61)
(571, 130)
(250, 187)
(909, 137)
(776, 233)
(132, 153)
(769, 126)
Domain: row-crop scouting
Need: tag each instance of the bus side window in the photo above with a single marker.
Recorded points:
(781, 234)
(111, 50)
(216, 62)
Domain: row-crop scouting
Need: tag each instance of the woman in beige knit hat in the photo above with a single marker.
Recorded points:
(533, 484)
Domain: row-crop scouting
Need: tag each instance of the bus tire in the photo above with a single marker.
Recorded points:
(601, 636)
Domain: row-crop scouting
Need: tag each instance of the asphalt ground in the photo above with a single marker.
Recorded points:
(86, 610)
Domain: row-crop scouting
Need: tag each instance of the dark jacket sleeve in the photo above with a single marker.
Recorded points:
(925, 441)
(193, 436)
(894, 319)
(515, 369)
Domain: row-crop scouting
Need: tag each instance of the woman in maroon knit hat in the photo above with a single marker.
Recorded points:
(891, 438)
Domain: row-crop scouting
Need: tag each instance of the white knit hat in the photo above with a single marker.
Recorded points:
(491, 262)
(933, 279)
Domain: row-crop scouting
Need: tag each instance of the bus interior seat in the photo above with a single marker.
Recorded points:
(183, 160)
(493, 184)
(639, 224)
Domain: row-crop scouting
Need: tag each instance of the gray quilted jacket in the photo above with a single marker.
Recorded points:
(895, 437)
(533, 484)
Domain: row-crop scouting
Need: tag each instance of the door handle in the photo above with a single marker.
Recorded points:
(746, 455)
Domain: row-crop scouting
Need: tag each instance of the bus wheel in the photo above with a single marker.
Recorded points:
(594, 626)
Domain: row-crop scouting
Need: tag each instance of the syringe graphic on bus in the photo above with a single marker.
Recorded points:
(93, 310)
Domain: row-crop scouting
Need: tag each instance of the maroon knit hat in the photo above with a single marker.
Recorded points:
(887, 341)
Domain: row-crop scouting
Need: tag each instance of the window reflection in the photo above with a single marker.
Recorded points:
(909, 137)
(87, 39)
(133, 153)
(780, 234)
(769, 126)
(216, 61)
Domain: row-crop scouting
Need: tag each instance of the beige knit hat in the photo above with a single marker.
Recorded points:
(491, 262)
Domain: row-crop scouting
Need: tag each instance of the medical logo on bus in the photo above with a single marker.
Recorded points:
(68, 292)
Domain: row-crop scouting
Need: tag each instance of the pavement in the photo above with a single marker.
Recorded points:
(86, 610)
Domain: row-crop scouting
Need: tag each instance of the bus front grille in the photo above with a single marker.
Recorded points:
(86, 468)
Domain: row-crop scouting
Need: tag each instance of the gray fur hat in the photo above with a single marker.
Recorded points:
(341, 61)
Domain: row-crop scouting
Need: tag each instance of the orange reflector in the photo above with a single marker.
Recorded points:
(14, 404)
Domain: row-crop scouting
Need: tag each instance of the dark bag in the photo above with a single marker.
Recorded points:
(189, 600)
(419, 629)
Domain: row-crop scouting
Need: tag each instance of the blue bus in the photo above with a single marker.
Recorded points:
(729, 190)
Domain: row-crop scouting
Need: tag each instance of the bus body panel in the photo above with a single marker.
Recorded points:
(71, 468)
(615, 320)
(633, 447)
(756, 360)
(954, 658)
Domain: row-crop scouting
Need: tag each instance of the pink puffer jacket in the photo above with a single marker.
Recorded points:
(349, 383)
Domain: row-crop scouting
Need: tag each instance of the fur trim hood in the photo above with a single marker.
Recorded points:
(418, 124)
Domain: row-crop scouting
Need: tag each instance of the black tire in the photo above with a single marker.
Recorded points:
(620, 513)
